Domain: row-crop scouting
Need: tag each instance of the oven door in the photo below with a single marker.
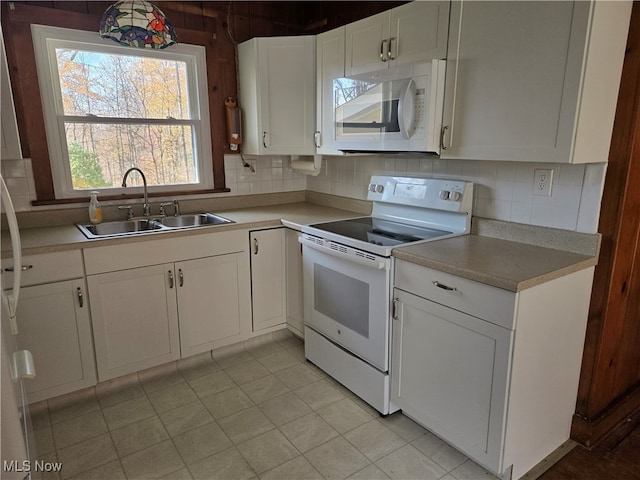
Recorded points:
(347, 298)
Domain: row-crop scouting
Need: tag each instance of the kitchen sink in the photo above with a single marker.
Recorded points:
(193, 220)
(145, 225)
(116, 228)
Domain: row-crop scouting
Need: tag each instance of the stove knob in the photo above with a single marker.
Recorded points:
(455, 196)
(444, 194)
(372, 187)
(379, 188)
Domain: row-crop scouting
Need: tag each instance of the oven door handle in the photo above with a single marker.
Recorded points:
(377, 264)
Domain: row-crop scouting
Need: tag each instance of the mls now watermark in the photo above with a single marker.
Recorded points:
(28, 466)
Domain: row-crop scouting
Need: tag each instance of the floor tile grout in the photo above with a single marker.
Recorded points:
(152, 389)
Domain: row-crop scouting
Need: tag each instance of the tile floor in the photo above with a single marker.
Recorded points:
(253, 410)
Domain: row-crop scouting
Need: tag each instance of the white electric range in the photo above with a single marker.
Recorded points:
(348, 276)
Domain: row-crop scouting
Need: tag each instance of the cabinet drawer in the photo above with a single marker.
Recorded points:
(492, 304)
(45, 268)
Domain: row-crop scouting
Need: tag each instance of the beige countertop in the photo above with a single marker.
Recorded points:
(68, 237)
(492, 257)
(502, 263)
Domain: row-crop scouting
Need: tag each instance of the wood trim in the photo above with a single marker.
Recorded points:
(128, 196)
(17, 22)
(611, 355)
(612, 425)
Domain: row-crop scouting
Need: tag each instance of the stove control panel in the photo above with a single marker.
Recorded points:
(434, 193)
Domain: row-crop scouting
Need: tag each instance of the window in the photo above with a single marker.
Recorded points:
(108, 108)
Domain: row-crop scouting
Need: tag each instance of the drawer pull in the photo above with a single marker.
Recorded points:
(24, 268)
(444, 287)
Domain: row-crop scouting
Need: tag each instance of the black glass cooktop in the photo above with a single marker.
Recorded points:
(379, 232)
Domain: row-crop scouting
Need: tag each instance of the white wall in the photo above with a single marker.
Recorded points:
(504, 190)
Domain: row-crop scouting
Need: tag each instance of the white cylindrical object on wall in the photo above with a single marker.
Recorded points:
(307, 165)
(23, 366)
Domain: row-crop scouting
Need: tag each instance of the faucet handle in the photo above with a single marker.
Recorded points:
(162, 207)
(129, 210)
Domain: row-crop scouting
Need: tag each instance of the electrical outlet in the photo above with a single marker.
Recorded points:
(542, 180)
(249, 167)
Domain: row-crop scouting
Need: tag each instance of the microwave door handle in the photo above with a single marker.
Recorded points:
(407, 109)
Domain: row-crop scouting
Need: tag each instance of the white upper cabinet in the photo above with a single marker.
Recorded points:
(412, 33)
(277, 95)
(533, 81)
(329, 65)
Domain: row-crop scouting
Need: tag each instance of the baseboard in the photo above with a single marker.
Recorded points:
(607, 429)
(549, 461)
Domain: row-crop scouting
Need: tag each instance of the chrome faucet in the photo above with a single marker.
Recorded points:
(145, 206)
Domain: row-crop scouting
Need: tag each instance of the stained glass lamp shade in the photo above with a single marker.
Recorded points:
(137, 23)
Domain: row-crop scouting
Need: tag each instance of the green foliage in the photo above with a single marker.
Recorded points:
(85, 168)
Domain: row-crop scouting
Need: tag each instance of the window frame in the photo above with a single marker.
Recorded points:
(47, 38)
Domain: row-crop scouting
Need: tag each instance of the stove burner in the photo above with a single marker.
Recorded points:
(379, 232)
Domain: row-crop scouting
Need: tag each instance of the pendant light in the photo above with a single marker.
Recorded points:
(137, 23)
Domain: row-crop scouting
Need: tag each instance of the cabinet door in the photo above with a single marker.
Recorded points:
(213, 300)
(135, 319)
(512, 87)
(287, 94)
(365, 50)
(54, 325)
(450, 373)
(329, 65)
(268, 282)
(419, 32)
(295, 300)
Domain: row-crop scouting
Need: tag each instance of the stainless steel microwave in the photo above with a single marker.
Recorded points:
(394, 110)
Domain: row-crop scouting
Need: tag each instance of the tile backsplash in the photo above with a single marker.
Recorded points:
(504, 190)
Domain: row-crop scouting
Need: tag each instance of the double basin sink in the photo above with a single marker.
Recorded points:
(144, 225)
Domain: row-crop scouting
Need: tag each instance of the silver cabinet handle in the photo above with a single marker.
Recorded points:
(390, 56)
(442, 133)
(383, 50)
(24, 268)
(255, 246)
(394, 309)
(80, 297)
(264, 139)
(170, 279)
(445, 287)
(316, 139)
(180, 277)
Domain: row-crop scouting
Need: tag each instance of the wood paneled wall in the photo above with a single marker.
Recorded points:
(608, 403)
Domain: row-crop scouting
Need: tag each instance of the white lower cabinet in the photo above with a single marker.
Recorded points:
(151, 310)
(492, 372)
(268, 278)
(295, 300)
(450, 373)
(211, 301)
(54, 325)
(135, 319)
